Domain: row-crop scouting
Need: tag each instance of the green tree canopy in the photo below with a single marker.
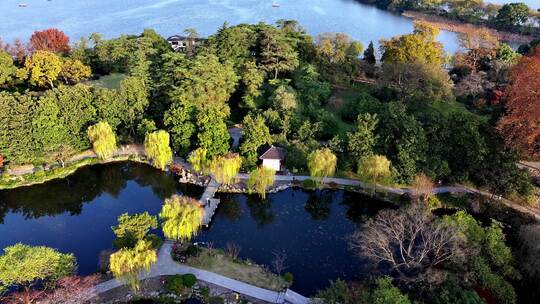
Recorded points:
(182, 217)
(133, 91)
(8, 70)
(252, 79)
(256, 134)
(16, 138)
(276, 53)
(386, 293)
(24, 265)
(511, 15)
(157, 148)
(77, 111)
(362, 142)
(213, 134)
(103, 139)
(369, 54)
(127, 263)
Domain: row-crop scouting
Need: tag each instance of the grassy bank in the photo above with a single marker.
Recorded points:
(217, 261)
(42, 176)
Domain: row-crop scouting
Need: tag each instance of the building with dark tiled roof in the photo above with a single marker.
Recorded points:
(274, 159)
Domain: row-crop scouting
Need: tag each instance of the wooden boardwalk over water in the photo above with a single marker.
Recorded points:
(208, 201)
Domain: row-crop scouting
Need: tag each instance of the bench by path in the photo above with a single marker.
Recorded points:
(165, 265)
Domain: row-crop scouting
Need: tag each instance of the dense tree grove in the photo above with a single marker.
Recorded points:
(513, 16)
(414, 117)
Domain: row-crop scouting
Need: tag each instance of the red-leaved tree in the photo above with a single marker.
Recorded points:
(520, 125)
(51, 40)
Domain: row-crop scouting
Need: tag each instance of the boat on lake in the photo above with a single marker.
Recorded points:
(275, 4)
(23, 5)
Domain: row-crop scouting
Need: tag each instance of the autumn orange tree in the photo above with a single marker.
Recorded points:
(520, 125)
(51, 40)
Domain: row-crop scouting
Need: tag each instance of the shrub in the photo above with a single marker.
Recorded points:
(288, 277)
(124, 242)
(192, 251)
(433, 202)
(175, 284)
(154, 240)
(189, 280)
(309, 184)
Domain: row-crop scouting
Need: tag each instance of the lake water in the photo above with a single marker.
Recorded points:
(168, 17)
(76, 214)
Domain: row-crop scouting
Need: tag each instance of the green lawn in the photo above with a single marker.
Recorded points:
(216, 261)
(111, 81)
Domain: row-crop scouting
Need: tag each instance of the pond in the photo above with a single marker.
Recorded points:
(168, 17)
(76, 214)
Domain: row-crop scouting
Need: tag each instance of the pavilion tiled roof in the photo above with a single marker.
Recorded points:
(273, 153)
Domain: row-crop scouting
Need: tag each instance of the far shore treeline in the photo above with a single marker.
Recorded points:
(417, 117)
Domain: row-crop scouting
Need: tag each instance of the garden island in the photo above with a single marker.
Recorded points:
(262, 164)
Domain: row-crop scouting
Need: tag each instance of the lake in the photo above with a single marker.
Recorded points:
(75, 215)
(168, 17)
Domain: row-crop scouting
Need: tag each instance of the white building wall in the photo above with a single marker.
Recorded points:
(274, 164)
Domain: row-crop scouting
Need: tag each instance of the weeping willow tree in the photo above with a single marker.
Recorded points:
(198, 159)
(225, 168)
(127, 263)
(157, 148)
(375, 169)
(322, 163)
(260, 179)
(103, 140)
(182, 216)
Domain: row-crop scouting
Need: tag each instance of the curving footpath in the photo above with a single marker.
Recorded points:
(357, 183)
(165, 265)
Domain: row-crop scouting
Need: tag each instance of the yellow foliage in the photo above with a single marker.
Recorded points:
(182, 217)
(260, 179)
(42, 69)
(198, 160)
(420, 46)
(375, 169)
(225, 168)
(103, 140)
(74, 71)
(127, 263)
(322, 163)
(157, 148)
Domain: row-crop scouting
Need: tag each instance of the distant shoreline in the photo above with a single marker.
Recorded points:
(460, 27)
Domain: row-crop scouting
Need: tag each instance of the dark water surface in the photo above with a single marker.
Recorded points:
(75, 215)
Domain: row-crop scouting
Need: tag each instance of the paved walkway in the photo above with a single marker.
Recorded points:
(165, 265)
(357, 183)
(236, 135)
